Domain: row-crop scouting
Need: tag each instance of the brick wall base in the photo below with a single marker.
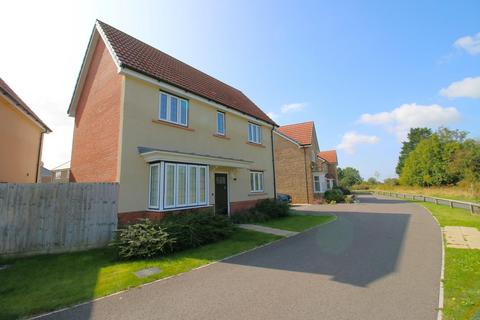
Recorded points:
(126, 218)
(242, 205)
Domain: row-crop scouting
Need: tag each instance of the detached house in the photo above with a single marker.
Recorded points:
(330, 157)
(300, 171)
(21, 139)
(173, 137)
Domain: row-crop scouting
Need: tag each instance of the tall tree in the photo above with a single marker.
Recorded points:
(348, 177)
(414, 137)
(430, 163)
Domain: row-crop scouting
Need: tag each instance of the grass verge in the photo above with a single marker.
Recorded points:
(454, 193)
(297, 223)
(462, 266)
(43, 283)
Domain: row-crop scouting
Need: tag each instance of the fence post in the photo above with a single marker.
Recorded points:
(471, 208)
(451, 204)
(436, 201)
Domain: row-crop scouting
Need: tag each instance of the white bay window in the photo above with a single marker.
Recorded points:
(177, 185)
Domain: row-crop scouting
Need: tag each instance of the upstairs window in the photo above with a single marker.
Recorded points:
(173, 109)
(254, 133)
(220, 123)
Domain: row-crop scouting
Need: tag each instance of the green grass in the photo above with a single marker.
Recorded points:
(462, 284)
(297, 223)
(462, 266)
(47, 282)
(447, 216)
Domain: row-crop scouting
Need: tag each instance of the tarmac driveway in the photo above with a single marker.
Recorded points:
(380, 259)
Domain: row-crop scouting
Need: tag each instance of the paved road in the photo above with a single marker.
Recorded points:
(379, 260)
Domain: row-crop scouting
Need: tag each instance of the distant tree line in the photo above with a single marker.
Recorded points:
(444, 157)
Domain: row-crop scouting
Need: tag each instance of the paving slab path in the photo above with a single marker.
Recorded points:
(381, 259)
(278, 232)
(462, 237)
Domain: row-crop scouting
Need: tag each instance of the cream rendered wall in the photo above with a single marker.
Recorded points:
(20, 144)
(140, 108)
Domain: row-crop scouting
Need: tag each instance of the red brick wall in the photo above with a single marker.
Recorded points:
(242, 205)
(290, 174)
(96, 133)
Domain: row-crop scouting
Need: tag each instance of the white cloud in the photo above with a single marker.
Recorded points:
(468, 87)
(292, 107)
(273, 115)
(351, 139)
(401, 119)
(471, 44)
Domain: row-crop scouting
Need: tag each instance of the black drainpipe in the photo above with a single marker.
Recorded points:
(37, 172)
(273, 164)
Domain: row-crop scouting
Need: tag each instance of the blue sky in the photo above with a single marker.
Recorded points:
(363, 71)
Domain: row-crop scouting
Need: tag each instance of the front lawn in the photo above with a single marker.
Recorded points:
(462, 266)
(461, 284)
(297, 223)
(42, 283)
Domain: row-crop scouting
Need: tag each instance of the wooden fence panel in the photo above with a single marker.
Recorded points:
(56, 217)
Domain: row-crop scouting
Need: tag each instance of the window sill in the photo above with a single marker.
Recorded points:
(178, 208)
(253, 194)
(220, 136)
(173, 125)
(255, 144)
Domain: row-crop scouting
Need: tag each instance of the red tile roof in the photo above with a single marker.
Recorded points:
(302, 133)
(329, 155)
(143, 58)
(6, 90)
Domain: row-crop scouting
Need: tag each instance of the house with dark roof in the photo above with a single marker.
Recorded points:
(300, 170)
(21, 139)
(173, 137)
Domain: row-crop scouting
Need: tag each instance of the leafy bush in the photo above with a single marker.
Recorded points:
(349, 198)
(344, 190)
(334, 195)
(263, 211)
(196, 229)
(176, 232)
(143, 240)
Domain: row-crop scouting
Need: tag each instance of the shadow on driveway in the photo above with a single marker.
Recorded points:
(357, 249)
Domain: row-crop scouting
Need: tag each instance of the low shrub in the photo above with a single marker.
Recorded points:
(176, 232)
(344, 190)
(196, 229)
(334, 195)
(349, 198)
(263, 211)
(143, 240)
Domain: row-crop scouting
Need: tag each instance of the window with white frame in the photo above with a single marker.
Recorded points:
(173, 109)
(177, 185)
(256, 181)
(317, 188)
(220, 123)
(254, 133)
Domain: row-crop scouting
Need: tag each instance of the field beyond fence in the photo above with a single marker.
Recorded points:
(56, 217)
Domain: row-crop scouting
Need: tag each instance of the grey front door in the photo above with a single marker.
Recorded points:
(221, 193)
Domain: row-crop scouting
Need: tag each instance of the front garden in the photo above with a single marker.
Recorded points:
(177, 244)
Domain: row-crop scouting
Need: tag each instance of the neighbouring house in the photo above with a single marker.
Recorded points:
(330, 156)
(46, 176)
(299, 170)
(61, 173)
(173, 137)
(21, 139)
